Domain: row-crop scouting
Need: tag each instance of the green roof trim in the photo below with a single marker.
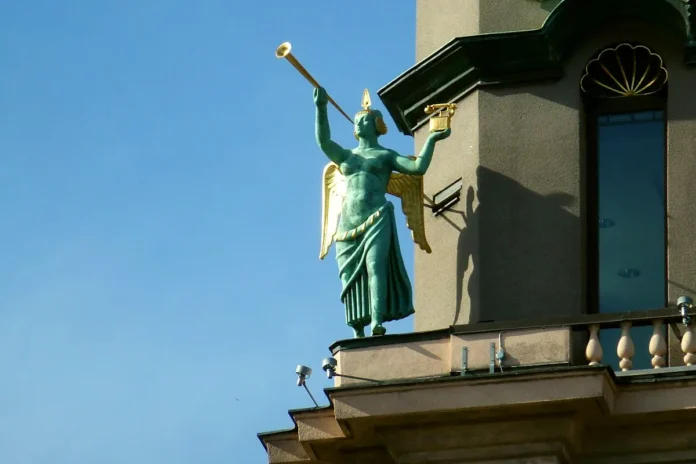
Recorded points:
(466, 63)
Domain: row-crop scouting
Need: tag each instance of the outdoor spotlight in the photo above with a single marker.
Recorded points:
(684, 303)
(329, 366)
(303, 373)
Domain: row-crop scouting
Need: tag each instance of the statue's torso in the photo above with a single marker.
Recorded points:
(367, 174)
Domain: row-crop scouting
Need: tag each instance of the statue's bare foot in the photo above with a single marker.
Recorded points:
(378, 329)
(359, 333)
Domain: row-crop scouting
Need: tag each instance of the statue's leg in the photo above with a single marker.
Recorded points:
(356, 312)
(377, 267)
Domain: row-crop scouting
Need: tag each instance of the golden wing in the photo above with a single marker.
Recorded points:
(333, 193)
(410, 189)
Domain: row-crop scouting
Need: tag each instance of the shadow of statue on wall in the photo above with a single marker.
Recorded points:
(467, 256)
(522, 250)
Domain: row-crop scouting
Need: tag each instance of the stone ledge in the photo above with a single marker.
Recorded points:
(440, 354)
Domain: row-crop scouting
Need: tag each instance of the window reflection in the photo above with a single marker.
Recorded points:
(631, 193)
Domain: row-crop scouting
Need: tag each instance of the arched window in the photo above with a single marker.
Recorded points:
(624, 91)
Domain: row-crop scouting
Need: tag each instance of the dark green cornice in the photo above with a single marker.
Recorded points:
(466, 63)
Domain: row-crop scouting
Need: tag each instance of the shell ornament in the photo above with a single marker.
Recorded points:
(624, 71)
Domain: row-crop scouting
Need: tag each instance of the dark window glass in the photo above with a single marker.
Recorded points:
(631, 236)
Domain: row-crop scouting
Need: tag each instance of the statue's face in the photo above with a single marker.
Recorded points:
(365, 125)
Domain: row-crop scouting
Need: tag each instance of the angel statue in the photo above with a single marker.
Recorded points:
(360, 220)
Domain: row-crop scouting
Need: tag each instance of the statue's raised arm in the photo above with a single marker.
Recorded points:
(322, 130)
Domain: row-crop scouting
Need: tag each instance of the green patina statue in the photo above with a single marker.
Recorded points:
(360, 220)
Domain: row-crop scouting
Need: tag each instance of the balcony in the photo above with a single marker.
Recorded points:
(500, 392)
(517, 345)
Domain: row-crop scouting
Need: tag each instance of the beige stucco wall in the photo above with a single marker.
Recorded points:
(439, 21)
(441, 356)
(521, 151)
(395, 361)
(437, 275)
(528, 188)
(681, 172)
(512, 15)
(681, 200)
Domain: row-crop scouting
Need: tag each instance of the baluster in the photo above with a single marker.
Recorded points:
(688, 346)
(658, 345)
(625, 349)
(593, 352)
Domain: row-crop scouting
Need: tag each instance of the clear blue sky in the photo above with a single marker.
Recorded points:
(160, 198)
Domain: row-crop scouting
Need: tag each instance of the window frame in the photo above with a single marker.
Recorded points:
(594, 108)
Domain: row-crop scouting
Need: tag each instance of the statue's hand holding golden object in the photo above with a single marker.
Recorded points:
(441, 120)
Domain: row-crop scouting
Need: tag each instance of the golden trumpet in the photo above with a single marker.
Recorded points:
(283, 51)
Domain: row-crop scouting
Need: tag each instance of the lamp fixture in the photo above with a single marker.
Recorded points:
(303, 373)
(329, 365)
(685, 304)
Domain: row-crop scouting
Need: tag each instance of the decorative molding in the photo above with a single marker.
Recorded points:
(624, 71)
(467, 63)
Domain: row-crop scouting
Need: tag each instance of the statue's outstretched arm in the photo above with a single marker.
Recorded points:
(418, 166)
(322, 131)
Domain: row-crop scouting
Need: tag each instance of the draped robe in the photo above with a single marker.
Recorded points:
(352, 248)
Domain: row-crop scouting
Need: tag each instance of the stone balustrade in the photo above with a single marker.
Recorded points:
(488, 348)
(657, 345)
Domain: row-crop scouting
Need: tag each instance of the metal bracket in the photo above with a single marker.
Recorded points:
(446, 198)
(465, 359)
(491, 367)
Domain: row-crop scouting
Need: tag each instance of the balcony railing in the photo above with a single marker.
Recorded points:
(679, 318)
(506, 346)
